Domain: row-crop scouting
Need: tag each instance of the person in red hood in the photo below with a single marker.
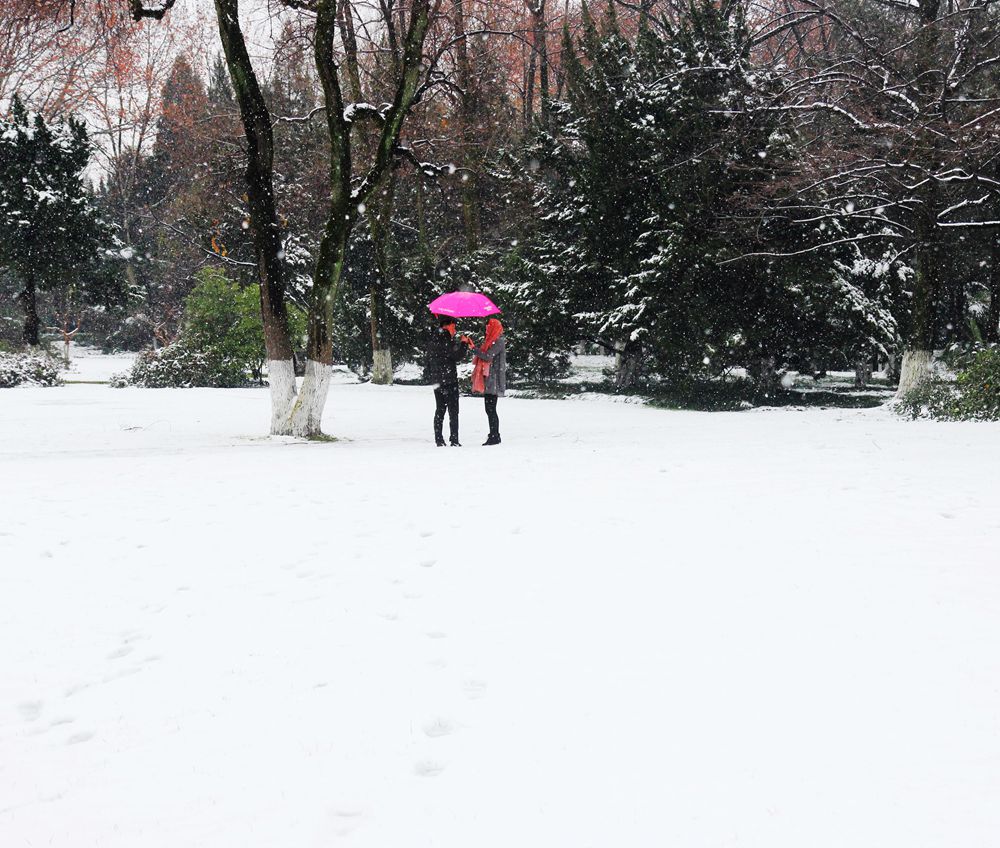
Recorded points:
(489, 375)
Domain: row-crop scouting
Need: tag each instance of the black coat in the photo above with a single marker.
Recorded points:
(443, 353)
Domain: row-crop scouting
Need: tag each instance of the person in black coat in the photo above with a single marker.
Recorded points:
(444, 352)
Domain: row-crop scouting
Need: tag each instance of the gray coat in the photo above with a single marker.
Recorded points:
(496, 382)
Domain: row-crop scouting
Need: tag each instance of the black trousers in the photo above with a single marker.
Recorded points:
(446, 397)
(491, 414)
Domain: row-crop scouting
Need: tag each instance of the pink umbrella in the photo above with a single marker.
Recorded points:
(463, 305)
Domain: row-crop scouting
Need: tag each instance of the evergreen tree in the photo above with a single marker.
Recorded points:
(51, 233)
(650, 193)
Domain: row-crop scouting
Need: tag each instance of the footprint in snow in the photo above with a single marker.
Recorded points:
(428, 768)
(437, 634)
(77, 738)
(349, 812)
(427, 563)
(437, 727)
(30, 710)
(426, 533)
(118, 653)
(475, 689)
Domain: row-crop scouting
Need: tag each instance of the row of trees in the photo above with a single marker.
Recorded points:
(691, 186)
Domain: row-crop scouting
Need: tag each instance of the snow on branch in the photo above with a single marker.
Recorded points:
(428, 169)
(355, 111)
(156, 11)
(813, 249)
(811, 107)
(962, 205)
(299, 119)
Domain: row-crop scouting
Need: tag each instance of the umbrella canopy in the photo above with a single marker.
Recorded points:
(464, 305)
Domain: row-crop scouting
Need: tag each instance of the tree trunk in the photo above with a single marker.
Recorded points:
(382, 367)
(529, 90)
(305, 416)
(467, 119)
(918, 349)
(916, 370)
(426, 255)
(541, 50)
(862, 372)
(627, 361)
(29, 333)
(992, 334)
(380, 223)
(265, 231)
(763, 371)
(919, 341)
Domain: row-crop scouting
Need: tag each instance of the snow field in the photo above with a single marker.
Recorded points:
(623, 627)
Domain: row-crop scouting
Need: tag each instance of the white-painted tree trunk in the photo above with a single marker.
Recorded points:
(306, 417)
(916, 369)
(298, 413)
(281, 378)
(382, 367)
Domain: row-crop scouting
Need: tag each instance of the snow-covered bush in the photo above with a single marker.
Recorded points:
(180, 366)
(973, 396)
(27, 369)
(935, 398)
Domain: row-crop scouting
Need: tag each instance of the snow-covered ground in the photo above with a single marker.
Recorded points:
(89, 365)
(622, 628)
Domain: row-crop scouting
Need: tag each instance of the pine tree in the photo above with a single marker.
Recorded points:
(652, 197)
(51, 234)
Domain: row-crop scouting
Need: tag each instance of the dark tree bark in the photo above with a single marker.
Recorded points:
(29, 304)
(467, 119)
(992, 334)
(265, 231)
(862, 372)
(539, 36)
(379, 212)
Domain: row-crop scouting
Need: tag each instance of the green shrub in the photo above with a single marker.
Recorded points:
(935, 398)
(979, 388)
(973, 396)
(221, 343)
(222, 319)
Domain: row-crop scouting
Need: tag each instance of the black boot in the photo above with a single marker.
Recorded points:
(454, 443)
(492, 439)
(439, 441)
